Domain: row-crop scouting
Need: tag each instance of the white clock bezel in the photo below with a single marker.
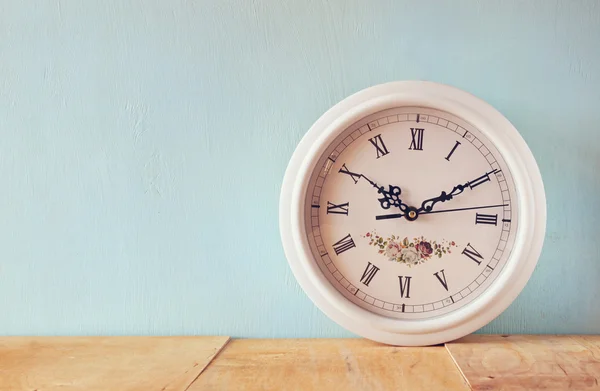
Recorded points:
(530, 197)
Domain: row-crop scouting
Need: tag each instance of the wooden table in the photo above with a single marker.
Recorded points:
(477, 362)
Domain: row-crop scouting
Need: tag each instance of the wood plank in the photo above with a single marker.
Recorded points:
(104, 363)
(590, 342)
(517, 362)
(329, 364)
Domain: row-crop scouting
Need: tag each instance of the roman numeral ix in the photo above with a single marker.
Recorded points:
(481, 218)
(341, 209)
(369, 273)
(404, 286)
(417, 139)
(470, 252)
(344, 244)
(379, 146)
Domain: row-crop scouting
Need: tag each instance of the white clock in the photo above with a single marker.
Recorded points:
(412, 213)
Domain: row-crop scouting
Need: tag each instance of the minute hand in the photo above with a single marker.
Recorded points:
(390, 197)
(427, 205)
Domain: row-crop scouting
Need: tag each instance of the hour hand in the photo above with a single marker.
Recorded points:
(427, 205)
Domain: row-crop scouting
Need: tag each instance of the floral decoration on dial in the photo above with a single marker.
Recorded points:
(410, 252)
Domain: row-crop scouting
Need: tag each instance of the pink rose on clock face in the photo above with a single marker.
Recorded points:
(409, 252)
(424, 249)
(392, 249)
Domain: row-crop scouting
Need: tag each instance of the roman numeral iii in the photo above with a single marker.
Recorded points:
(404, 286)
(344, 244)
(481, 218)
(442, 278)
(344, 170)
(369, 273)
(417, 139)
(470, 252)
(341, 209)
(379, 146)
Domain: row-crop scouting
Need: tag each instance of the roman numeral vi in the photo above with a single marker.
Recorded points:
(404, 286)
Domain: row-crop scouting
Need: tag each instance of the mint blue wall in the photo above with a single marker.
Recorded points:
(142, 147)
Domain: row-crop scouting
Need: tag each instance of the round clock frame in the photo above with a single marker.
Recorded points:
(530, 197)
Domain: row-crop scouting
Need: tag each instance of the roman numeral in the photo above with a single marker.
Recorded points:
(417, 139)
(481, 218)
(341, 209)
(470, 252)
(344, 244)
(344, 170)
(482, 179)
(379, 146)
(452, 150)
(404, 286)
(442, 279)
(369, 273)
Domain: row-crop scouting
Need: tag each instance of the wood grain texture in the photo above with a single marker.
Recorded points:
(495, 362)
(333, 364)
(101, 364)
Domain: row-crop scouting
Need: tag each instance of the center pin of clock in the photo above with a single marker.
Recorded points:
(412, 214)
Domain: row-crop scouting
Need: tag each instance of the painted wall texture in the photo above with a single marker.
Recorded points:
(143, 144)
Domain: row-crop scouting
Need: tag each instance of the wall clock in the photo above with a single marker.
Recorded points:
(412, 213)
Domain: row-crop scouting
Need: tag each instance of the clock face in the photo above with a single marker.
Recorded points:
(411, 213)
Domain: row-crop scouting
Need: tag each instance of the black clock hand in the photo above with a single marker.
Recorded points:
(398, 215)
(427, 205)
(390, 216)
(390, 197)
(370, 181)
